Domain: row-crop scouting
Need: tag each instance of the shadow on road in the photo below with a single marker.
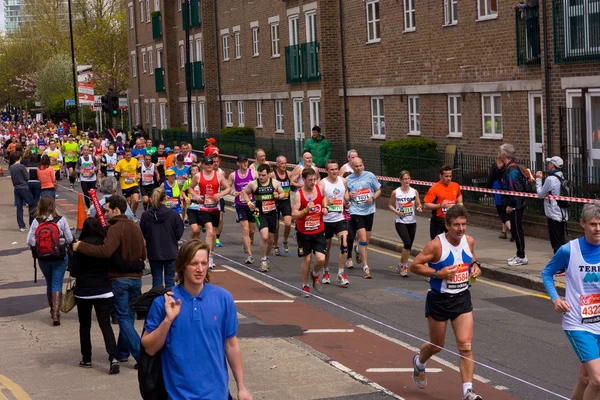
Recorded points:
(24, 284)
(19, 305)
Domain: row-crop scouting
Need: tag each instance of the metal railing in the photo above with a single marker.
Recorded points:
(159, 80)
(527, 22)
(576, 27)
(293, 64)
(156, 25)
(310, 61)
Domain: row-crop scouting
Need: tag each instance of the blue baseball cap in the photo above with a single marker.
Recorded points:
(168, 149)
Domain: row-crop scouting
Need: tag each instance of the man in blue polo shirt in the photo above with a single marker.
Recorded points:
(196, 330)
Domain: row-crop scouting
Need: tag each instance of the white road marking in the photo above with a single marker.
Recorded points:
(283, 292)
(329, 331)
(218, 270)
(263, 301)
(416, 350)
(364, 379)
(384, 370)
(500, 387)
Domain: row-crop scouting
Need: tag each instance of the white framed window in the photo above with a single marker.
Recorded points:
(487, 9)
(225, 47)
(259, 121)
(148, 17)
(156, 5)
(142, 11)
(491, 115)
(228, 114)
(238, 48)
(181, 56)
(450, 12)
(144, 62)
(198, 49)
(163, 116)
(293, 26)
(241, 117)
(136, 112)
(185, 113)
(409, 15)
(315, 112)
(298, 119)
(255, 41)
(192, 51)
(133, 65)
(159, 53)
(203, 117)
(178, 5)
(151, 61)
(194, 126)
(275, 40)
(454, 116)
(582, 27)
(414, 116)
(373, 32)
(147, 107)
(131, 17)
(377, 118)
(279, 116)
(153, 114)
(311, 26)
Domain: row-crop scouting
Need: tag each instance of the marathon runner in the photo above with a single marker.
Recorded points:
(344, 172)
(150, 149)
(364, 189)
(139, 151)
(120, 148)
(189, 158)
(149, 179)
(296, 175)
(109, 161)
(404, 201)
(159, 158)
(182, 173)
(191, 196)
(238, 180)
(71, 153)
(261, 158)
(217, 160)
(351, 155)
(308, 208)
(284, 205)
(171, 158)
(173, 199)
(334, 190)
(128, 170)
(86, 167)
(580, 258)
(56, 158)
(266, 192)
(439, 198)
(449, 261)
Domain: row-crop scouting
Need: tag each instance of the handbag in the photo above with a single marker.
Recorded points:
(69, 297)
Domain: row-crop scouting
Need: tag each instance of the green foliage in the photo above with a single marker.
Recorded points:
(54, 83)
(418, 155)
(238, 131)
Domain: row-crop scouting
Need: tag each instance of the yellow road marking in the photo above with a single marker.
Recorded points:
(16, 390)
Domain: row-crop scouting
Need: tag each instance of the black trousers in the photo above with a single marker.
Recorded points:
(103, 309)
(516, 230)
(556, 231)
(436, 227)
(85, 188)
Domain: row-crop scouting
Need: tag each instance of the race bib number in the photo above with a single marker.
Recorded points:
(148, 179)
(88, 172)
(408, 209)
(461, 279)
(129, 179)
(590, 308)
(337, 206)
(71, 155)
(445, 209)
(161, 160)
(172, 202)
(268, 206)
(210, 201)
(110, 167)
(181, 179)
(363, 195)
(312, 222)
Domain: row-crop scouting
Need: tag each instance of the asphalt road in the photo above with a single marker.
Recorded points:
(518, 337)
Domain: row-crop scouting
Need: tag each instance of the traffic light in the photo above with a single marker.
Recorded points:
(115, 111)
(104, 100)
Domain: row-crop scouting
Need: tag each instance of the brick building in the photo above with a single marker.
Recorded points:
(472, 74)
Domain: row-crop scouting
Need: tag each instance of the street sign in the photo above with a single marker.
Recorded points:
(70, 103)
(123, 105)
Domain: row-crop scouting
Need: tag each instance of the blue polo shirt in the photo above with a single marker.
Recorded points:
(137, 153)
(193, 357)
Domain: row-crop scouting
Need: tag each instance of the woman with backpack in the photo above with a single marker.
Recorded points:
(48, 237)
(93, 289)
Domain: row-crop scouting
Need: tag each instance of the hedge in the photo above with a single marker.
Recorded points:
(238, 131)
(418, 155)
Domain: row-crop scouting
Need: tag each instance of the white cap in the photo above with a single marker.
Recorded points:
(556, 160)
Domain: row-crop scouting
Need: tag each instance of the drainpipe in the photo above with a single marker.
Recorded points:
(218, 68)
(345, 89)
(547, 80)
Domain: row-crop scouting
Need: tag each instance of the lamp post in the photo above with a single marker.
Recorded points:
(73, 57)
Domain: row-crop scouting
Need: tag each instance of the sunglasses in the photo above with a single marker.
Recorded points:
(208, 162)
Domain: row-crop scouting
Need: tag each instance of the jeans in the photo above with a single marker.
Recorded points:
(54, 272)
(35, 188)
(49, 192)
(516, 230)
(23, 195)
(85, 188)
(103, 309)
(125, 290)
(157, 268)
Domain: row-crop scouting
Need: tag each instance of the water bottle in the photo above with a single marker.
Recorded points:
(312, 209)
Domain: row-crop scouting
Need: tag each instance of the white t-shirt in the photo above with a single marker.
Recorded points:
(407, 203)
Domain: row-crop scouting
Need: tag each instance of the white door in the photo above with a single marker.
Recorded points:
(593, 128)
(298, 128)
(536, 131)
(163, 116)
(194, 127)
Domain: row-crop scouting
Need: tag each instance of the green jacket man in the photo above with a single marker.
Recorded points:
(319, 147)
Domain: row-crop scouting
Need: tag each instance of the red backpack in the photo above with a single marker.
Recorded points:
(49, 243)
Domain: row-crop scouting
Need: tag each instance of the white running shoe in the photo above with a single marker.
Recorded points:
(264, 266)
(250, 259)
(515, 262)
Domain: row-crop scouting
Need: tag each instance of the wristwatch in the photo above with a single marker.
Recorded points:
(476, 262)
(435, 275)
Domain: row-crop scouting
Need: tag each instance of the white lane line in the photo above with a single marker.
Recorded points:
(283, 292)
(329, 331)
(364, 379)
(217, 270)
(416, 350)
(384, 370)
(263, 301)
(500, 387)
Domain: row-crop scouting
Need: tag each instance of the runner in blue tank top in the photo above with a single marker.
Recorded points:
(449, 261)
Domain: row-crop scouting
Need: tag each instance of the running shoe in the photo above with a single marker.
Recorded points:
(349, 264)
(367, 274)
(305, 291)
(511, 259)
(22, 229)
(403, 269)
(503, 235)
(250, 259)
(114, 367)
(211, 265)
(286, 248)
(264, 266)
(315, 282)
(218, 243)
(471, 395)
(85, 364)
(276, 251)
(419, 375)
(357, 255)
(515, 262)
(343, 280)
(326, 279)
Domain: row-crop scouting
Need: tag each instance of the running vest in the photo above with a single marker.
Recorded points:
(334, 191)
(71, 150)
(300, 180)
(312, 222)
(240, 184)
(54, 154)
(120, 151)
(188, 160)
(87, 169)
(407, 203)
(209, 188)
(583, 293)
(181, 175)
(265, 201)
(111, 163)
(461, 257)
(147, 175)
(173, 193)
(285, 185)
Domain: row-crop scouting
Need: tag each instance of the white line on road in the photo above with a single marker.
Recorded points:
(264, 301)
(500, 387)
(384, 370)
(364, 379)
(283, 292)
(416, 350)
(217, 270)
(329, 331)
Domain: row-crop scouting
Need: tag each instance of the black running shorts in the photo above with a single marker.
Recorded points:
(444, 307)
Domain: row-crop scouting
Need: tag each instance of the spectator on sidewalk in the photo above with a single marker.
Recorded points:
(176, 326)
(513, 180)
(494, 178)
(162, 228)
(124, 238)
(53, 270)
(93, 290)
(557, 217)
(319, 147)
(439, 199)
(19, 176)
(47, 177)
(108, 187)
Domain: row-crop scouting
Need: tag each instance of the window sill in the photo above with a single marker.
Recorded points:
(226, 59)
(238, 58)
(259, 126)
(451, 24)
(487, 18)
(414, 133)
(254, 55)
(276, 56)
(490, 137)
(229, 125)
(280, 132)
(241, 126)
(455, 135)
(382, 137)
(374, 41)
(409, 30)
